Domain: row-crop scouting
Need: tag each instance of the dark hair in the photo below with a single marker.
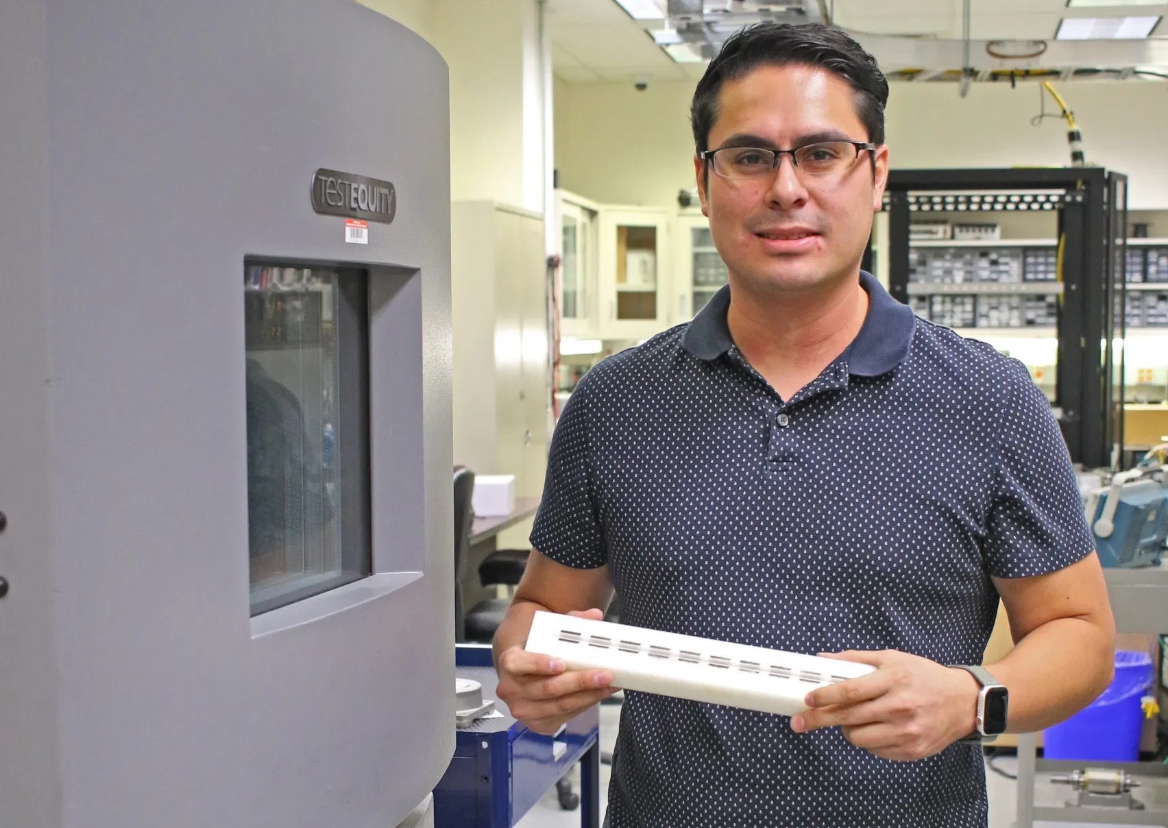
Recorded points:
(775, 44)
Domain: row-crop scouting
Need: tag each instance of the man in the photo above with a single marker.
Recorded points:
(806, 466)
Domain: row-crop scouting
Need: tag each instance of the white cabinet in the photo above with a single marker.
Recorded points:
(502, 382)
(578, 243)
(635, 292)
(699, 271)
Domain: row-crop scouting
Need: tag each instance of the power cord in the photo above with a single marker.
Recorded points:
(994, 755)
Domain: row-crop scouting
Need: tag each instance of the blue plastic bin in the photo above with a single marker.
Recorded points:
(1109, 728)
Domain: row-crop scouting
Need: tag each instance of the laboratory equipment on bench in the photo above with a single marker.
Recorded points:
(470, 706)
(1129, 517)
(1101, 788)
(689, 667)
(1139, 603)
(225, 421)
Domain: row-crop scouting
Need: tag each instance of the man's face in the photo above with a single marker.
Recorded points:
(790, 230)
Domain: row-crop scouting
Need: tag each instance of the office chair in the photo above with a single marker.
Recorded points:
(479, 623)
(483, 619)
(503, 566)
(463, 518)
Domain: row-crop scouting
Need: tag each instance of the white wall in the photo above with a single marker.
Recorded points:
(617, 145)
(413, 14)
(492, 48)
(560, 92)
(473, 311)
(483, 45)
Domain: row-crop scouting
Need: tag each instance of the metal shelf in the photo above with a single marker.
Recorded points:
(1089, 202)
(1036, 332)
(1154, 242)
(1161, 287)
(983, 243)
(1043, 331)
(990, 288)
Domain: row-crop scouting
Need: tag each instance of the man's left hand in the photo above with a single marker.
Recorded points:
(909, 709)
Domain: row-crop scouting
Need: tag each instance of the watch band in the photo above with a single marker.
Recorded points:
(983, 676)
(986, 679)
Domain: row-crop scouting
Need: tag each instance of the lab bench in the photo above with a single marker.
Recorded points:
(1139, 602)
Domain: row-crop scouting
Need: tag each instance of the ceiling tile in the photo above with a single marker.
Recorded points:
(574, 12)
(1015, 27)
(596, 40)
(562, 57)
(576, 75)
(625, 49)
(936, 24)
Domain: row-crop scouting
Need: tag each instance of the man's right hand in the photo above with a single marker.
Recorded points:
(542, 693)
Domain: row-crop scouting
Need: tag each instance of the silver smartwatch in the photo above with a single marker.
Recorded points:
(993, 704)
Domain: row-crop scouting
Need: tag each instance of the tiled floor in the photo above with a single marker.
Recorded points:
(547, 813)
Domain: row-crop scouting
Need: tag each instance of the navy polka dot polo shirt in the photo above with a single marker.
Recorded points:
(867, 512)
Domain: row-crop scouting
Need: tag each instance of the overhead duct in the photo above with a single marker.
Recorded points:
(694, 31)
(898, 53)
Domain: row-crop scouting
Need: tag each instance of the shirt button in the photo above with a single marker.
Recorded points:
(784, 420)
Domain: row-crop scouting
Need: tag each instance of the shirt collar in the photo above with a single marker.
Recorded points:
(881, 345)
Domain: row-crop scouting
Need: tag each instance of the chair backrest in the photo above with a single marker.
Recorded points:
(464, 480)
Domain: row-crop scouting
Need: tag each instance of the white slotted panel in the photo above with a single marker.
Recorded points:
(688, 667)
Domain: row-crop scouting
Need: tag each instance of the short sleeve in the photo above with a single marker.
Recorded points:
(567, 525)
(1035, 523)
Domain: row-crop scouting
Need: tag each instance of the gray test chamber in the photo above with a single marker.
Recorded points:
(175, 649)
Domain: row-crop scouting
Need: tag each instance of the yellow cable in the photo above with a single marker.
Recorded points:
(1062, 105)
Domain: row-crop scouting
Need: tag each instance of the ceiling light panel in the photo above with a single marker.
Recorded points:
(1098, 4)
(643, 9)
(685, 53)
(1106, 28)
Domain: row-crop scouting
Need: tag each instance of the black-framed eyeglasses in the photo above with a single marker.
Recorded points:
(822, 159)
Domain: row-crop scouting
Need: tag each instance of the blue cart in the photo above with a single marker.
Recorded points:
(501, 769)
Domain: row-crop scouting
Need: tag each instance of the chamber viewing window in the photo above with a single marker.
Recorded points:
(307, 431)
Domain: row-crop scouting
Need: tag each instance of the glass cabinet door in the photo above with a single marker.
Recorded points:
(578, 275)
(699, 270)
(636, 272)
(709, 271)
(570, 264)
(634, 249)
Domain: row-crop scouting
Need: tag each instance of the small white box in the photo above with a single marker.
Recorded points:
(494, 495)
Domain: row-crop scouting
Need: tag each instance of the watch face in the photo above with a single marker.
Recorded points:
(996, 703)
